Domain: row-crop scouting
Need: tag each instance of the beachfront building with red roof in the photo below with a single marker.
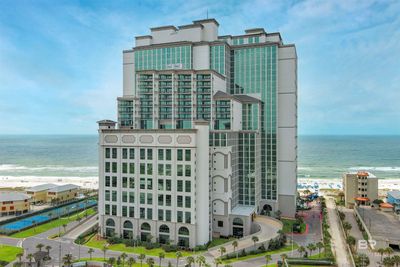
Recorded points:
(360, 188)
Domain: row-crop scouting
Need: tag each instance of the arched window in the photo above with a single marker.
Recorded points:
(183, 231)
(145, 226)
(128, 224)
(164, 229)
(110, 222)
(237, 222)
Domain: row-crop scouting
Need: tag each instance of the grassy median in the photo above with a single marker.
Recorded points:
(9, 253)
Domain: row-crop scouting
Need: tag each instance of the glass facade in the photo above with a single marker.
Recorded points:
(253, 71)
(125, 112)
(218, 58)
(175, 57)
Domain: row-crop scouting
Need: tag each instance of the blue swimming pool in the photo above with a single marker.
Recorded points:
(47, 216)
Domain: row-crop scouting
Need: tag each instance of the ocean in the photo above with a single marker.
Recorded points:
(318, 157)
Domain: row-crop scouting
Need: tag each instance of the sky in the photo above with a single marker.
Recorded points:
(61, 61)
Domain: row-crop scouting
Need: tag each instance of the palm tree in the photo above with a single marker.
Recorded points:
(104, 249)
(217, 261)
(189, 261)
(381, 251)
(161, 256)
(178, 255)
(90, 252)
(268, 258)
(283, 257)
(320, 246)
(39, 246)
(200, 260)
(30, 258)
(389, 251)
(351, 241)
(111, 261)
(65, 227)
(310, 247)
(131, 261)
(235, 244)
(67, 259)
(123, 257)
(79, 219)
(222, 250)
(254, 239)
(47, 248)
(278, 214)
(301, 250)
(388, 262)
(150, 262)
(361, 259)
(34, 225)
(19, 256)
(141, 258)
(396, 260)
(80, 240)
(346, 227)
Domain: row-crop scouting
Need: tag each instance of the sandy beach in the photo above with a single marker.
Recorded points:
(92, 182)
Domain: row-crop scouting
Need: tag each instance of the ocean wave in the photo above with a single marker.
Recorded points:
(380, 169)
(14, 167)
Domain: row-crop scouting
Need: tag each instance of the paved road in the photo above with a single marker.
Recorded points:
(269, 228)
(339, 244)
(312, 218)
(74, 233)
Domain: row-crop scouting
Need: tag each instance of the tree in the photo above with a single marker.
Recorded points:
(111, 261)
(161, 256)
(80, 240)
(200, 260)
(341, 195)
(388, 262)
(301, 250)
(104, 249)
(90, 252)
(351, 241)
(283, 257)
(255, 239)
(30, 258)
(396, 260)
(67, 259)
(39, 246)
(389, 251)
(65, 227)
(19, 256)
(150, 262)
(311, 247)
(222, 250)
(268, 259)
(235, 244)
(278, 214)
(178, 255)
(189, 261)
(123, 257)
(217, 261)
(79, 219)
(141, 258)
(48, 248)
(381, 251)
(34, 225)
(361, 260)
(131, 261)
(347, 227)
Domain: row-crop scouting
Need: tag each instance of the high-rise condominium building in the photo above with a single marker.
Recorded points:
(206, 135)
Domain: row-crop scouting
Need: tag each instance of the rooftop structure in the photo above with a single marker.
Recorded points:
(360, 188)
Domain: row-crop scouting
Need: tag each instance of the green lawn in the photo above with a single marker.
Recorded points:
(136, 250)
(283, 249)
(50, 225)
(219, 241)
(9, 253)
(288, 226)
(137, 264)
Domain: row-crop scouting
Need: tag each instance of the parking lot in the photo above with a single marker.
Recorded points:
(383, 226)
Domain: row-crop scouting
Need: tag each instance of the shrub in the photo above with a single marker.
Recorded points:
(169, 248)
(115, 240)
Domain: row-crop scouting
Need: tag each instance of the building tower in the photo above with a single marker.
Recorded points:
(206, 135)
